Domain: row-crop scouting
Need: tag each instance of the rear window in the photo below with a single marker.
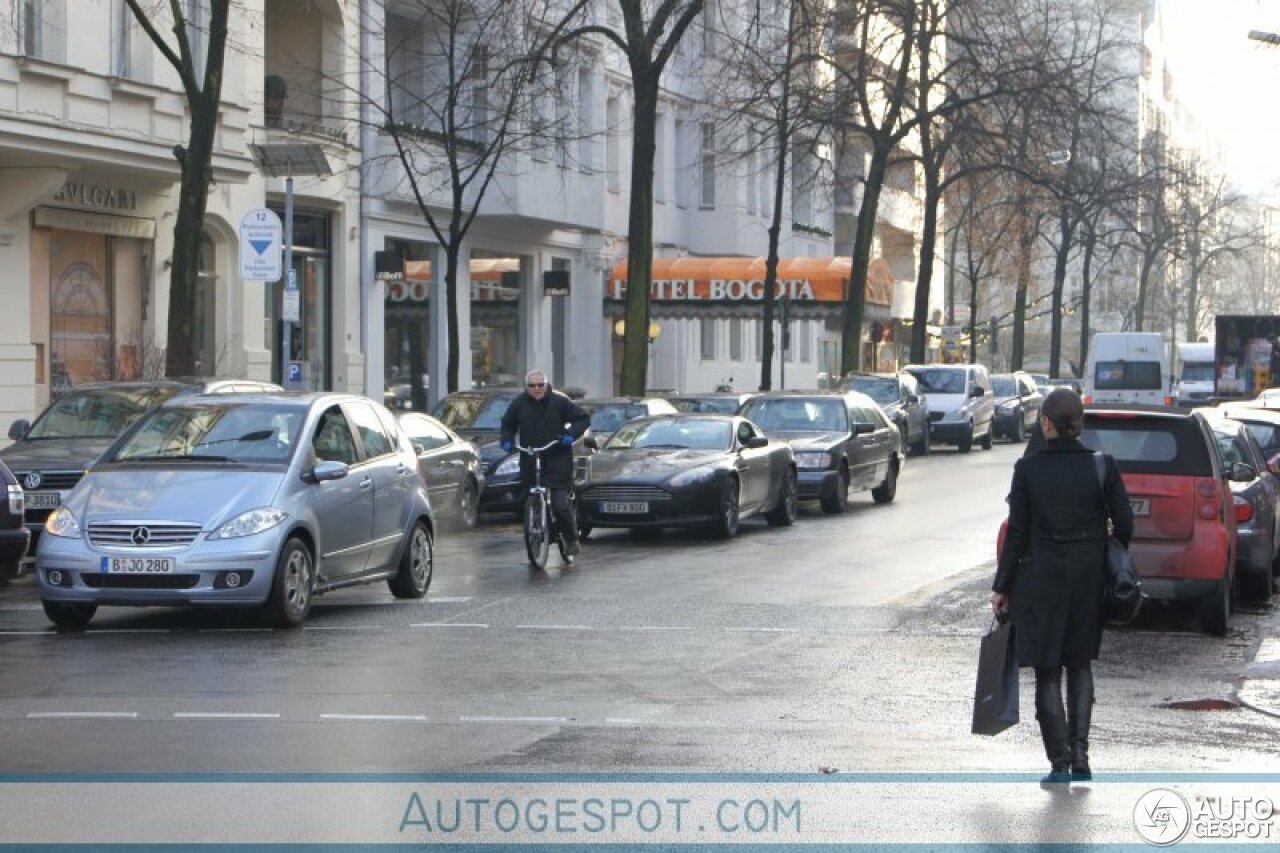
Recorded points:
(1171, 446)
(1197, 372)
(1127, 376)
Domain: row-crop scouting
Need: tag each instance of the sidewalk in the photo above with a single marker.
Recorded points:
(1260, 684)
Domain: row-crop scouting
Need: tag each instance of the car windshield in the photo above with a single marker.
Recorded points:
(798, 415)
(882, 389)
(472, 412)
(1197, 372)
(216, 432)
(940, 381)
(1004, 386)
(1127, 375)
(673, 433)
(1267, 435)
(96, 414)
(706, 405)
(607, 417)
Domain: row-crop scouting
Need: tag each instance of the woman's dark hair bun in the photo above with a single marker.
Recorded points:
(1065, 411)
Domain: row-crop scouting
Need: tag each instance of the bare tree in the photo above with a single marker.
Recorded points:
(202, 90)
(649, 36)
(458, 98)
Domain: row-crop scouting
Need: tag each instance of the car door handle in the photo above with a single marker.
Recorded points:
(366, 484)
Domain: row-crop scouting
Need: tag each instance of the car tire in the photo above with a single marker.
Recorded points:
(10, 572)
(987, 439)
(921, 447)
(1255, 587)
(784, 512)
(417, 564)
(837, 503)
(966, 442)
(66, 614)
(726, 526)
(885, 492)
(1215, 609)
(1019, 432)
(469, 504)
(292, 585)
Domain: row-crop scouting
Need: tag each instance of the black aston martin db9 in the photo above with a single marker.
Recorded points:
(689, 471)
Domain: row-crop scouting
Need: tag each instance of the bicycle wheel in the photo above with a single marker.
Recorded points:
(537, 540)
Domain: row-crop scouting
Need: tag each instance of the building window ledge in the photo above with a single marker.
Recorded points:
(130, 86)
(37, 67)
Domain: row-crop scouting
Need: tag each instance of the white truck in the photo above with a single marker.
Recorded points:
(1195, 374)
(1128, 367)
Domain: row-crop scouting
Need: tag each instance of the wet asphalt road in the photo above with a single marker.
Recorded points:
(843, 642)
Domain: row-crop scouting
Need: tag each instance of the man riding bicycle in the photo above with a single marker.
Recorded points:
(539, 416)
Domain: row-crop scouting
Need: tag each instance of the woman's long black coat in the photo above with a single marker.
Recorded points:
(1058, 519)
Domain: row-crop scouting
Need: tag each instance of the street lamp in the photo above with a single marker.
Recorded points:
(620, 329)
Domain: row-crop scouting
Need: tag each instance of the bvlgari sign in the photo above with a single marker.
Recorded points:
(97, 196)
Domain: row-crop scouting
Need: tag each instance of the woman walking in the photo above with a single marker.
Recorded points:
(1051, 574)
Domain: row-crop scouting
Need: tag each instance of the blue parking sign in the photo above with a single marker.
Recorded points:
(295, 371)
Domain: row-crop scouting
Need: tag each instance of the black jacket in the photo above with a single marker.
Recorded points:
(1058, 521)
(536, 422)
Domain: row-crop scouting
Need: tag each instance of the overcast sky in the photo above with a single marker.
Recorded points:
(1231, 83)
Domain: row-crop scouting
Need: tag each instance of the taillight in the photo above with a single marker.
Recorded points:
(1088, 398)
(1244, 509)
(1210, 506)
(1206, 489)
(17, 500)
(1168, 401)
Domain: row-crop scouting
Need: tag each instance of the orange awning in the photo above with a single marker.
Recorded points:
(741, 280)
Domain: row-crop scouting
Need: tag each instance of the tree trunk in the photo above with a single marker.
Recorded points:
(451, 252)
(1066, 230)
(1144, 279)
(188, 233)
(1086, 294)
(775, 224)
(851, 334)
(973, 319)
(924, 278)
(1025, 241)
(1193, 293)
(635, 342)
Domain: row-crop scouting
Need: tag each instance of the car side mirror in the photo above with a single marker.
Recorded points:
(977, 391)
(18, 429)
(590, 443)
(863, 429)
(756, 442)
(418, 446)
(1242, 473)
(323, 472)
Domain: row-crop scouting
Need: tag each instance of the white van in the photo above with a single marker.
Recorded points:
(1127, 367)
(962, 404)
(1194, 386)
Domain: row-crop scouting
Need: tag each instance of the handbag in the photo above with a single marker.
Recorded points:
(995, 698)
(1123, 594)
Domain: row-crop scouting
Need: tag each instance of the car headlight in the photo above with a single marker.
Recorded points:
(62, 522)
(813, 460)
(249, 523)
(692, 477)
(508, 466)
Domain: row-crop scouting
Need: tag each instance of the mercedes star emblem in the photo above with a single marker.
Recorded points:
(140, 536)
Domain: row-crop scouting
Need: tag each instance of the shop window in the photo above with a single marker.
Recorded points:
(406, 271)
(497, 291)
(310, 338)
(707, 329)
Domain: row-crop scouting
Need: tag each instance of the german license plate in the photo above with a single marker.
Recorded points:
(137, 565)
(1141, 506)
(43, 500)
(630, 508)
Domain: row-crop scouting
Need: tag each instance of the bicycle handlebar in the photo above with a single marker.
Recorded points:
(534, 451)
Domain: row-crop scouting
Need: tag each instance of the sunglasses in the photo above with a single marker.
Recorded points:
(536, 385)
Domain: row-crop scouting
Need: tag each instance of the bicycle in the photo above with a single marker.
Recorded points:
(539, 515)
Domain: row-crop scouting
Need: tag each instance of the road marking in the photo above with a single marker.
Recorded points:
(621, 721)
(556, 627)
(344, 627)
(414, 718)
(457, 599)
(27, 633)
(129, 631)
(86, 715)
(655, 628)
(234, 630)
(448, 625)
(514, 719)
(223, 715)
(766, 630)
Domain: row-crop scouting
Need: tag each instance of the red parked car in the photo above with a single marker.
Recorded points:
(1184, 538)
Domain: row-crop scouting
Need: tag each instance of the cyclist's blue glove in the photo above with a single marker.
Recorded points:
(567, 441)
(508, 445)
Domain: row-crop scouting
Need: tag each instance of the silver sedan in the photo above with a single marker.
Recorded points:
(251, 501)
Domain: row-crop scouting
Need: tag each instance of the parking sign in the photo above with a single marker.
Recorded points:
(261, 236)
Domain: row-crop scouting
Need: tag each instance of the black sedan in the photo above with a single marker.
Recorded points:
(1018, 402)
(450, 465)
(14, 535)
(900, 397)
(689, 471)
(843, 443)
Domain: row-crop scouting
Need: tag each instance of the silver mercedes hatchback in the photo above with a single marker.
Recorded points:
(264, 500)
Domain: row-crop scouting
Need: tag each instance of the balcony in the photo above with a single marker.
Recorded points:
(302, 91)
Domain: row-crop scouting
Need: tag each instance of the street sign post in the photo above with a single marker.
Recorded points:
(260, 241)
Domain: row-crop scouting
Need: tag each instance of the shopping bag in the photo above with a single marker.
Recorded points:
(995, 699)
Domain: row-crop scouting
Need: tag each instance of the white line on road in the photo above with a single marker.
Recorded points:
(514, 719)
(556, 627)
(87, 715)
(655, 628)
(621, 721)
(223, 715)
(410, 718)
(765, 630)
(26, 633)
(234, 630)
(128, 631)
(344, 627)
(448, 625)
(457, 599)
